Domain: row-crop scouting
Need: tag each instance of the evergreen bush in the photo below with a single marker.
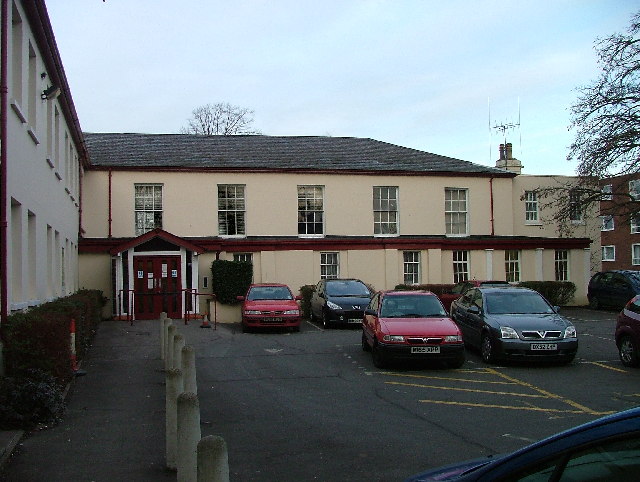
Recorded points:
(230, 279)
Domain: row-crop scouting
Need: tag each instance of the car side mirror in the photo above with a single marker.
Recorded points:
(240, 298)
(474, 309)
(298, 298)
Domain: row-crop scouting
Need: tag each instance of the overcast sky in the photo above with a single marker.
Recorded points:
(430, 75)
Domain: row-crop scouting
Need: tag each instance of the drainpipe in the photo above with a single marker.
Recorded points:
(491, 198)
(4, 104)
(110, 219)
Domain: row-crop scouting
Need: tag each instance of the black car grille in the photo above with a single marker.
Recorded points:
(424, 341)
(272, 313)
(541, 335)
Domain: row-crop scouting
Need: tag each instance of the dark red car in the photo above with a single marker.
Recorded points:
(459, 288)
(628, 333)
(270, 305)
(410, 326)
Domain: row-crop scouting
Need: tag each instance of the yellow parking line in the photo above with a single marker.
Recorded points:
(548, 394)
(466, 380)
(602, 365)
(510, 407)
(453, 389)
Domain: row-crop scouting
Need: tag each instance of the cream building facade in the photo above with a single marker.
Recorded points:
(304, 208)
(42, 161)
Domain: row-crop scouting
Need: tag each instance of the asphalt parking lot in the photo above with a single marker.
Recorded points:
(311, 405)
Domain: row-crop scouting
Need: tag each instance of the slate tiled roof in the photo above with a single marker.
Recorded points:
(265, 153)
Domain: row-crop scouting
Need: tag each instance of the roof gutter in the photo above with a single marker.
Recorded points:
(4, 104)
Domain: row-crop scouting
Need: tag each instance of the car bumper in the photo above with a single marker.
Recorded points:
(520, 349)
(448, 352)
(345, 318)
(274, 321)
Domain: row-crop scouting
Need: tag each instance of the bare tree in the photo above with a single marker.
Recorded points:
(221, 119)
(606, 119)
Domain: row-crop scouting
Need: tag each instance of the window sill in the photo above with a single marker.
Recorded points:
(310, 236)
(16, 108)
(532, 223)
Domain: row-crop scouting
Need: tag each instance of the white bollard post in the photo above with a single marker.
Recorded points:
(163, 333)
(171, 332)
(188, 437)
(213, 460)
(173, 389)
(178, 345)
(189, 369)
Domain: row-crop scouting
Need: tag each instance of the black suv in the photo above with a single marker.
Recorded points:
(613, 289)
(340, 302)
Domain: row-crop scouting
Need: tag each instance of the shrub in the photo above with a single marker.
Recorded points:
(31, 399)
(306, 291)
(230, 279)
(558, 293)
(436, 289)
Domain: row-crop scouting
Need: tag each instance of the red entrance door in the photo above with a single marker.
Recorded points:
(157, 287)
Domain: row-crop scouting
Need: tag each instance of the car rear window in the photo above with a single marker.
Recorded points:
(269, 293)
(516, 302)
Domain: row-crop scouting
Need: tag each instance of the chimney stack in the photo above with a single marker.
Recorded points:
(507, 161)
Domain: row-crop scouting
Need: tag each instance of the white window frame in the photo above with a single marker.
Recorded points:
(310, 211)
(608, 253)
(635, 254)
(634, 224)
(232, 202)
(411, 272)
(512, 265)
(385, 211)
(608, 223)
(575, 207)
(456, 211)
(634, 188)
(244, 257)
(607, 192)
(562, 264)
(329, 265)
(460, 265)
(531, 208)
(148, 207)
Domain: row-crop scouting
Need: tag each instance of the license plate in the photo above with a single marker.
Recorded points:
(425, 349)
(544, 346)
(354, 320)
(273, 320)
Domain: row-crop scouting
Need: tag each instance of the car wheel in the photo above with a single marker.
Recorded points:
(594, 304)
(325, 322)
(486, 348)
(365, 345)
(628, 352)
(377, 357)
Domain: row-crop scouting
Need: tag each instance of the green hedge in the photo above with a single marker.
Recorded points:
(436, 289)
(306, 291)
(558, 293)
(230, 279)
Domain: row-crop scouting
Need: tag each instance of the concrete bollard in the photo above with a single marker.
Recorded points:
(163, 334)
(178, 345)
(213, 460)
(188, 436)
(173, 390)
(189, 369)
(171, 332)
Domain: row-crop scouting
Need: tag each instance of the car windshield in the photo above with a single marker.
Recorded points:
(411, 306)
(347, 288)
(516, 302)
(269, 293)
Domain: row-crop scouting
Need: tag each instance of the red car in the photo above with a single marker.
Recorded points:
(459, 288)
(628, 333)
(410, 325)
(270, 305)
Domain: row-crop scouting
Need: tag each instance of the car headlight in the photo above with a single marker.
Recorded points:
(291, 312)
(508, 332)
(252, 312)
(393, 338)
(570, 332)
(453, 339)
(333, 306)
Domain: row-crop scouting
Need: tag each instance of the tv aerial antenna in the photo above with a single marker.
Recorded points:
(503, 128)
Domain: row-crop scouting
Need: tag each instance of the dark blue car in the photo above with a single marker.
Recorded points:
(607, 449)
(613, 289)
